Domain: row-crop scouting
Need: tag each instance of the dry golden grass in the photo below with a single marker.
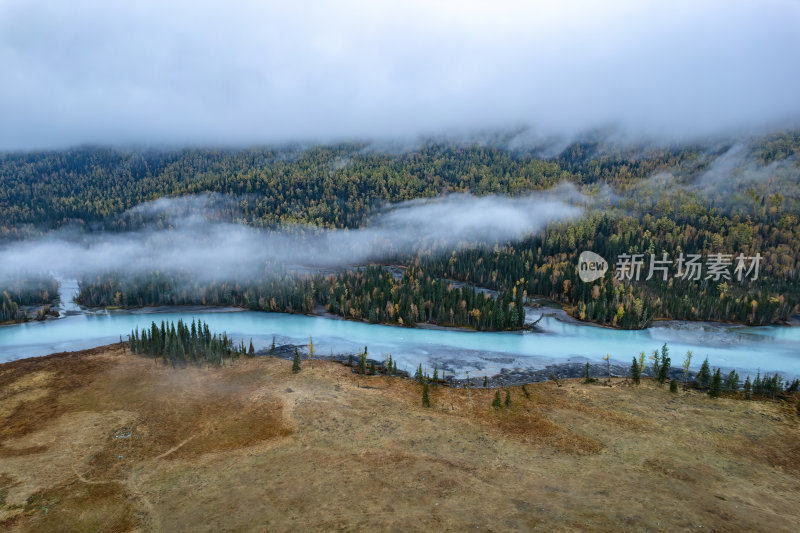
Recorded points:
(104, 441)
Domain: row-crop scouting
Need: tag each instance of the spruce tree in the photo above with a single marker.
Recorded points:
(251, 352)
(272, 348)
(663, 371)
(435, 380)
(673, 386)
(704, 376)
(636, 372)
(496, 402)
(732, 381)
(508, 399)
(656, 358)
(296, 362)
(526, 393)
(715, 389)
(426, 400)
(362, 364)
(748, 389)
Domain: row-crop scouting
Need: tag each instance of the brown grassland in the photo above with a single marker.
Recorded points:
(101, 440)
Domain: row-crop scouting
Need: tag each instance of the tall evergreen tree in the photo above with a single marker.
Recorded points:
(636, 372)
(296, 361)
(666, 363)
(704, 375)
(732, 381)
(656, 358)
(715, 389)
(496, 402)
(426, 400)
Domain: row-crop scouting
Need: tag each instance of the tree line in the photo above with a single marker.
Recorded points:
(371, 294)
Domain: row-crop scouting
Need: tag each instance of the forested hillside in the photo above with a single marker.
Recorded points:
(726, 198)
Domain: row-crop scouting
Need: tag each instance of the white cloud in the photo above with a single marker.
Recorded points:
(246, 72)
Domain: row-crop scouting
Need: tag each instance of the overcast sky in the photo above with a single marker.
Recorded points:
(149, 72)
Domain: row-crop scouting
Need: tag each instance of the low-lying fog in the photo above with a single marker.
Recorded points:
(188, 235)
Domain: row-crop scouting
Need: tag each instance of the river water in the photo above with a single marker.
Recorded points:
(769, 348)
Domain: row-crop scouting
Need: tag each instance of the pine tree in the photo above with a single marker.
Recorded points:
(272, 348)
(715, 390)
(312, 351)
(485, 382)
(732, 381)
(508, 399)
(704, 376)
(435, 380)
(296, 362)
(673, 386)
(426, 400)
(526, 393)
(496, 402)
(656, 358)
(748, 389)
(362, 364)
(636, 372)
(251, 352)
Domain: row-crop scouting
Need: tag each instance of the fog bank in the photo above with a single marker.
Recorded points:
(233, 73)
(190, 235)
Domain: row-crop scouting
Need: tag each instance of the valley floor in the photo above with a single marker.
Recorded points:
(102, 440)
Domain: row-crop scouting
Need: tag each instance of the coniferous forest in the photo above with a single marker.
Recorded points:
(640, 200)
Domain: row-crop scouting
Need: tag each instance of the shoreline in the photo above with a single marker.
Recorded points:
(505, 378)
(558, 313)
